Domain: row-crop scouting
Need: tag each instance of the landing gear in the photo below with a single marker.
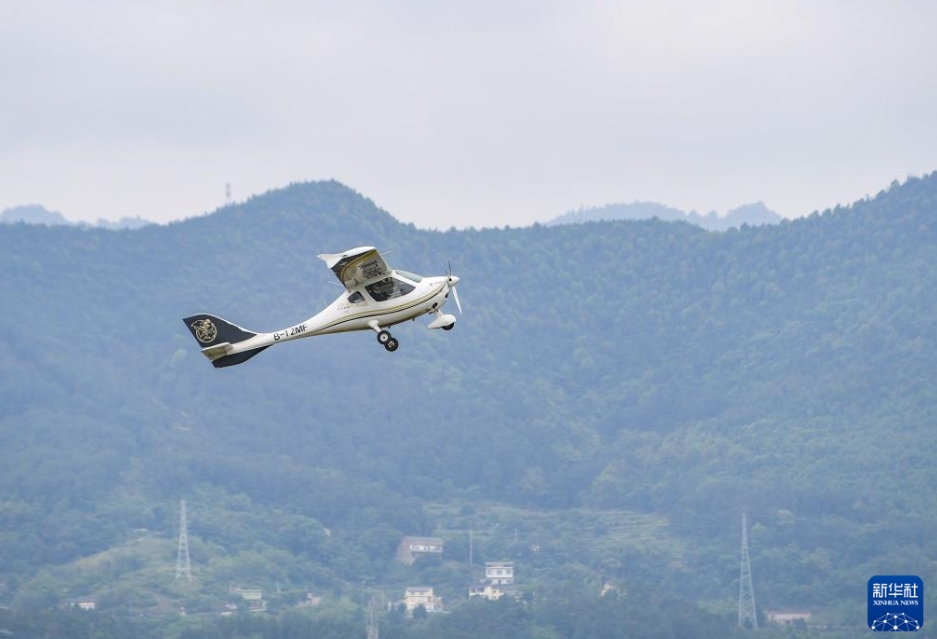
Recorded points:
(448, 327)
(387, 340)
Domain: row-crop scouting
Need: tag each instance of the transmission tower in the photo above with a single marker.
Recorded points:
(747, 616)
(227, 194)
(183, 567)
(371, 628)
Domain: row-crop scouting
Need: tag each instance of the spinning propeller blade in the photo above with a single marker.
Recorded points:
(452, 282)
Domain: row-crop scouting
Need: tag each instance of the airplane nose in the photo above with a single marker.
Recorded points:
(453, 280)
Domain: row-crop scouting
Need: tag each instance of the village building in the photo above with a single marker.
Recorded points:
(412, 548)
(498, 581)
(499, 573)
(253, 598)
(788, 617)
(416, 596)
(489, 592)
(311, 601)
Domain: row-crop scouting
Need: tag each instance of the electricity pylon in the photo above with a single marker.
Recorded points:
(183, 567)
(747, 616)
(371, 629)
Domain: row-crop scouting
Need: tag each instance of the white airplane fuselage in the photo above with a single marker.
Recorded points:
(375, 298)
(428, 296)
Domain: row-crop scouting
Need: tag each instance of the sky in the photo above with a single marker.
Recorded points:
(472, 114)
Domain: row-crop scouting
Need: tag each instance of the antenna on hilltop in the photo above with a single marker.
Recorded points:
(183, 567)
(747, 616)
(227, 194)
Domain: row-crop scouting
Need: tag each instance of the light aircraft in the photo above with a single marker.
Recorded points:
(375, 298)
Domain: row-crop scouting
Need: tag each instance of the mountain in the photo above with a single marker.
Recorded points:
(32, 214)
(130, 223)
(754, 214)
(617, 394)
(38, 214)
(634, 211)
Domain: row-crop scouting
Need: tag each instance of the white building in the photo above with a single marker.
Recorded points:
(499, 573)
(785, 617)
(416, 596)
(412, 547)
(489, 592)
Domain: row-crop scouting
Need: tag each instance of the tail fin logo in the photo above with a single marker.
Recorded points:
(205, 330)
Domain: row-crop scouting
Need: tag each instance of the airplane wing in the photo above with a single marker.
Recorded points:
(356, 266)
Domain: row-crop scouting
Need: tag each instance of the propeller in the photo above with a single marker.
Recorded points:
(452, 282)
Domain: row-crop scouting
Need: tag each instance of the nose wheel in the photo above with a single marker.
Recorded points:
(387, 341)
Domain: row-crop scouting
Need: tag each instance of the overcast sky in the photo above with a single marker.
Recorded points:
(480, 113)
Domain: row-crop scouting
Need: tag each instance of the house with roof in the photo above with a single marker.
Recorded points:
(498, 582)
(411, 548)
(499, 573)
(416, 596)
(788, 617)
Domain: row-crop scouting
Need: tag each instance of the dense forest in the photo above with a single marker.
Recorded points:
(615, 397)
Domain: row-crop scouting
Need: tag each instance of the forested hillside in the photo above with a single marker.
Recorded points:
(616, 395)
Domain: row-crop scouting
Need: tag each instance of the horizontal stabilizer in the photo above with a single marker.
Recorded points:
(237, 358)
(218, 350)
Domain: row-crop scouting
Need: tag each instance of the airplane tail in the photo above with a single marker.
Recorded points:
(217, 337)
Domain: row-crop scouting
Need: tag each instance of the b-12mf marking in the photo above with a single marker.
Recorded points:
(375, 298)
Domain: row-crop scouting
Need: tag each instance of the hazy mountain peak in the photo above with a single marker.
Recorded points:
(38, 214)
(32, 214)
(619, 211)
(135, 222)
(754, 214)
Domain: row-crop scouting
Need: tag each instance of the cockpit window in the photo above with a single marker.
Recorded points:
(355, 297)
(413, 277)
(387, 289)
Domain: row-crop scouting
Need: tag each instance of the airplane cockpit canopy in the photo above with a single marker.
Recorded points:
(413, 277)
(388, 288)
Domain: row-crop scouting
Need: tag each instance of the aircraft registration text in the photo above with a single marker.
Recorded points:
(289, 332)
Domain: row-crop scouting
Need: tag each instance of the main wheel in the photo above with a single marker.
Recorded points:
(391, 345)
(448, 328)
(383, 337)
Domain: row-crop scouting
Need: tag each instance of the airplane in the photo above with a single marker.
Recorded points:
(376, 297)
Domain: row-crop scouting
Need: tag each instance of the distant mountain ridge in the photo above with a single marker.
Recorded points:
(38, 214)
(755, 214)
